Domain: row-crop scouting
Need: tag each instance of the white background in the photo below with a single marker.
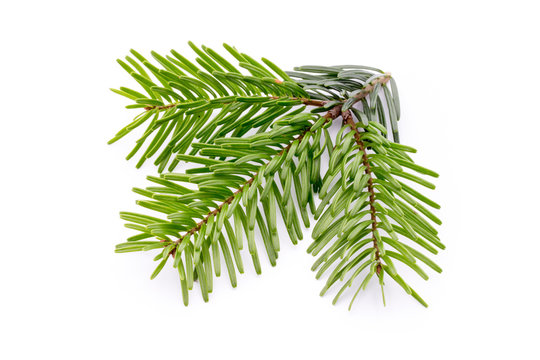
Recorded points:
(468, 74)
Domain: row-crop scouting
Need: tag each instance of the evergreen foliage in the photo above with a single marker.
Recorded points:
(257, 138)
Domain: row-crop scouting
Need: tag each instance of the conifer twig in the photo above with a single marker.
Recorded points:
(348, 120)
(245, 126)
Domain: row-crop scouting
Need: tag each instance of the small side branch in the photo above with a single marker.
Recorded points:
(369, 87)
(348, 120)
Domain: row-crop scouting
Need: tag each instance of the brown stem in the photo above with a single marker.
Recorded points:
(163, 107)
(368, 88)
(348, 120)
(217, 210)
(310, 102)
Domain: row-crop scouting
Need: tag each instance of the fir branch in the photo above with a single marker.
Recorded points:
(218, 87)
(202, 112)
(348, 120)
(373, 186)
(171, 199)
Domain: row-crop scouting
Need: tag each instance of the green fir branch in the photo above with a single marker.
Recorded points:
(367, 209)
(232, 187)
(257, 136)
